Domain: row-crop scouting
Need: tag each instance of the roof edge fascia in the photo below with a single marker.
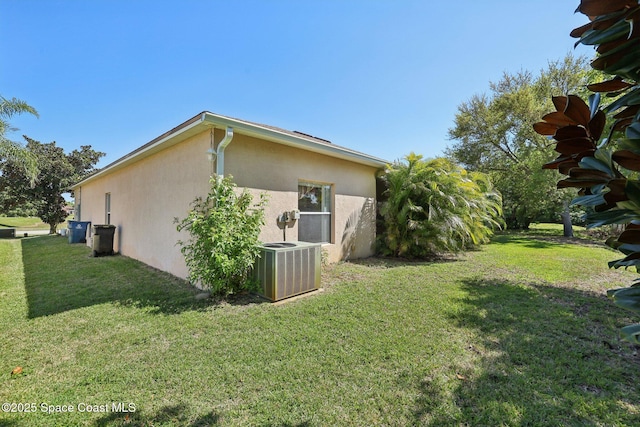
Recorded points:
(285, 138)
(207, 120)
(166, 140)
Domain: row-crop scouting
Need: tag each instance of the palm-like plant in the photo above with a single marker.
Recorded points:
(435, 206)
(9, 149)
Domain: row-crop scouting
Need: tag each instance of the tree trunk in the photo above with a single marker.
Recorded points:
(53, 228)
(566, 220)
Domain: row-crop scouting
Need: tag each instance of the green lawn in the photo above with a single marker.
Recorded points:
(518, 333)
(23, 223)
(28, 223)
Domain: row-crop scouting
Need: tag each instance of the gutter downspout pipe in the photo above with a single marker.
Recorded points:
(220, 151)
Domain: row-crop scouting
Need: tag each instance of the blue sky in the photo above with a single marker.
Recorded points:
(379, 76)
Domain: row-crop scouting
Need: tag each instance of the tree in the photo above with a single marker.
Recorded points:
(494, 135)
(435, 206)
(12, 150)
(604, 164)
(56, 172)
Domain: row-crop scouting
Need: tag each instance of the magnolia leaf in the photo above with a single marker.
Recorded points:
(617, 187)
(612, 85)
(562, 163)
(631, 333)
(571, 132)
(579, 31)
(628, 112)
(590, 200)
(627, 159)
(622, 62)
(578, 183)
(631, 206)
(619, 126)
(619, 215)
(560, 102)
(633, 130)
(604, 156)
(577, 110)
(573, 145)
(628, 298)
(618, 30)
(594, 103)
(558, 118)
(565, 166)
(629, 236)
(626, 263)
(590, 174)
(593, 163)
(597, 124)
(544, 128)
(632, 190)
(627, 248)
(629, 144)
(616, 56)
(631, 98)
(599, 7)
(611, 201)
(612, 292)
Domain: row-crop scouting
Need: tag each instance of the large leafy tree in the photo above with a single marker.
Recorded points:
(56, 172)
(435, 206)
(493, 134)
(603, 165)
(12, 150)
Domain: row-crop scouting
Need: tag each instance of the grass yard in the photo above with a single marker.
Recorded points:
(27, 223)
(518, 333)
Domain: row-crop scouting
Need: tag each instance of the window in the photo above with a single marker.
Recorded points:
(107, 208)
(314, 204)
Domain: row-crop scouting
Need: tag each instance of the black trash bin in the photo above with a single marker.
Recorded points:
(78, 231)
(103, 239)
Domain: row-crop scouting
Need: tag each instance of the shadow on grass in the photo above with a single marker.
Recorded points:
(391, 262)
(175, 415)
(168, 415)
(535, 240)
(60, 276)
(558, 344)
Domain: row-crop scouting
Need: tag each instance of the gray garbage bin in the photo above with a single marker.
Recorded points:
(103, 239)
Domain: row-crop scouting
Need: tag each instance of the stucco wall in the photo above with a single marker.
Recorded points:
(260, 165)
(147, 195)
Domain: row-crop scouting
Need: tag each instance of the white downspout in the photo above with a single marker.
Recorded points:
(220, 151)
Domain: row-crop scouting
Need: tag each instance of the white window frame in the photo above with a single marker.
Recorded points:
(107, 208)
(329, 213)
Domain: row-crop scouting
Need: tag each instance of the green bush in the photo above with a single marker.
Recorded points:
(223, 245)
(435, 206)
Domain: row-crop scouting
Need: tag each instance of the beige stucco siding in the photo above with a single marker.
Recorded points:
(145, 198)
(261, 165)
(148, 194)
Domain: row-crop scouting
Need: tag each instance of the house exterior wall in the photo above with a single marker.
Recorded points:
(147, 195)
(260, 165)
(145, 198)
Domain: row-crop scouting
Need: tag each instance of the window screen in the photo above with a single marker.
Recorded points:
(314, 204)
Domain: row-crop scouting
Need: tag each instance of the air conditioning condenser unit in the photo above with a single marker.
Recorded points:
(286, 269)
